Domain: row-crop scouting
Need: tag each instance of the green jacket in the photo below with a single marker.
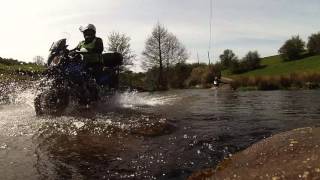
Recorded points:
(94, 50)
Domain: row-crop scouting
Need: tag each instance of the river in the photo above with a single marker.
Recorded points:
(163, 135)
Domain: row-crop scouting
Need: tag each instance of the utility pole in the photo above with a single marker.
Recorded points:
(198, 58)
(210, 23)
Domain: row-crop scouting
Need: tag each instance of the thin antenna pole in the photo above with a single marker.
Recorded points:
(198, 58)
(210, 22)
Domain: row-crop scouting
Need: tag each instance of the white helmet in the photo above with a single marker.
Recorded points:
(87, 27)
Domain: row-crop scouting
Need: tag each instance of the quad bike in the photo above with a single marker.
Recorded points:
(67, 79)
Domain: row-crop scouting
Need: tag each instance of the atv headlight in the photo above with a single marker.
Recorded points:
(56, 61)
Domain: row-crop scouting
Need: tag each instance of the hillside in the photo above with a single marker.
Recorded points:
(277, 74)
(274, 66)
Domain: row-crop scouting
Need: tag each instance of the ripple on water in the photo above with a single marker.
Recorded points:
(81, 146)
(105, 143)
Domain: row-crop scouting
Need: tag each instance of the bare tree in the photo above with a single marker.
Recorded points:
(154, 51)
(121, 43)
(175, 52)
(39, 60)
(162, 49)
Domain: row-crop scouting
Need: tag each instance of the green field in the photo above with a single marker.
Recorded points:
(19, 71)
(275, 66)
(22, 67)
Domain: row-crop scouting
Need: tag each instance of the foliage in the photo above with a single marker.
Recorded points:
(289, 81)
(274, 66)
(162, 49)
(195, 76)
(121, 43)
(203, 75)
(249, 62)
(252, 60)
(209, 75)
(227, 58)
(178, 75)
(131, 80)
(152, 79)
(10, 61)
(174, 51)
(153, 54)
(313, 45)
(14, 70)
(292, 49)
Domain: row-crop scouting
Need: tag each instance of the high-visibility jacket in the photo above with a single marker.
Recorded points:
(94, 50)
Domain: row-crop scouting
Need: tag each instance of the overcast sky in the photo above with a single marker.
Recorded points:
(28, 27)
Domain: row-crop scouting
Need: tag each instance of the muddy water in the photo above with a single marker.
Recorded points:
(144, 135)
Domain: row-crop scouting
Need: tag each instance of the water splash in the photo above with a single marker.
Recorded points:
(135, 99)
(18, 94)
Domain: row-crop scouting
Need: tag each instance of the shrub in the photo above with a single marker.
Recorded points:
(292, 49)
(314, 44)
(250, 62)
(291, 81)
(227, 58)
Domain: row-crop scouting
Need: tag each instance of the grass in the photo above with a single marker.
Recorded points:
(278, 74)
(19, 71)
(275, 66)
(22, 67)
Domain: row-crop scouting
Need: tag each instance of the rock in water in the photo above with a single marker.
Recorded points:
(290, 155)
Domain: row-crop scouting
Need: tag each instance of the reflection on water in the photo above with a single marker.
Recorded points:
(142, 135)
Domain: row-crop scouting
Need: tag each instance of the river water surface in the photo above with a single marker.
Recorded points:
(165, 135)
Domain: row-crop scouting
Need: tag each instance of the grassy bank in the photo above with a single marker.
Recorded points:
(19, 72)
(278, 74)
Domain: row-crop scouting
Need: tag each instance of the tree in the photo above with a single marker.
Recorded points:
(175, 52)
(292, 49)
(121, 43)
(252, 60)
(162, 49)
(153, 52)
(179, 73)
(314, 44)
(227, 58)
(39, 60)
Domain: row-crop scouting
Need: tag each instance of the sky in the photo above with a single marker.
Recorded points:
(28, 27)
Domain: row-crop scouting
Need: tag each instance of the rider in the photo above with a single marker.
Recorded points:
(91, 47)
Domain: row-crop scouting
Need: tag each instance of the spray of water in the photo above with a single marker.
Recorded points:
(135, 99)
(18, 114)
(54, 140)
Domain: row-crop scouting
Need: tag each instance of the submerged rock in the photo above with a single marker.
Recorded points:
(290, 155)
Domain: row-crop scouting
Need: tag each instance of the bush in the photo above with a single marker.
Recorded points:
(314, 44)
(291, 81)
(178, 75)
(292, 49)
(203, 75)
(195, 76)
(250, 62)
(227, 58)
(209, 75)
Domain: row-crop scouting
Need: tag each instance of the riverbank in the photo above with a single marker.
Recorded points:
(291, 81)
(290, 155)
(277, 74)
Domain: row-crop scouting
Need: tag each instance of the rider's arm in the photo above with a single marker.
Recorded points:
(99, 46)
